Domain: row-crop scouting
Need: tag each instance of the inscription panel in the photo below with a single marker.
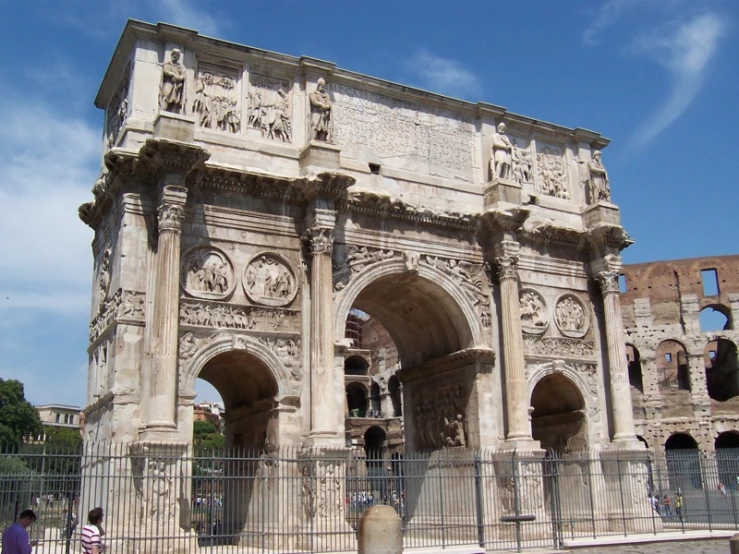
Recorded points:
(399, 131)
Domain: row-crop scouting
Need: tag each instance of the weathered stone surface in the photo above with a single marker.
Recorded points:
(381, 531)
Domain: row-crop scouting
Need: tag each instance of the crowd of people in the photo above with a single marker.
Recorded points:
(16, 540)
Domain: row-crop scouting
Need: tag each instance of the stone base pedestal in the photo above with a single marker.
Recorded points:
(174, 127)
(320, 155)
(601, 213)
(502, 190)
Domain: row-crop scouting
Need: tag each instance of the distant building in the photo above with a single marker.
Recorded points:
(60, 415)
(209, 411)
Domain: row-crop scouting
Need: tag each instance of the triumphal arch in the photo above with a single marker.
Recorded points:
(249, 200)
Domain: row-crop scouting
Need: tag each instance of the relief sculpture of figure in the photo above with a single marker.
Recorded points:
(502, 154)
(320, 112)
(172, 93)
(600, 189)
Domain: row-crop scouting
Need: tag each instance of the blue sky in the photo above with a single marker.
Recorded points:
(658, 77)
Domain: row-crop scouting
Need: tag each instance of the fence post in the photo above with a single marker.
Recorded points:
(478, 502)
(590, 493)
(703, 474)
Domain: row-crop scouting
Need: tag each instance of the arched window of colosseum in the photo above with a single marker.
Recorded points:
(683, 462)
(558, 420)
(722, 371)
(715, 318)
(727, 458)
(673, 373)
(355, 365)
(635, 374)
(356, 400)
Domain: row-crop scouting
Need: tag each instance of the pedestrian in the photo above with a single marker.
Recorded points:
(15, 537)
(666, 504)
(92, 533)
(722, 489)
(679, 505)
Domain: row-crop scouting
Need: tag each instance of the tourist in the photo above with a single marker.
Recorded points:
(92, 533)
(666, 504)
(15, 537)
(679, 505)
(722, 490)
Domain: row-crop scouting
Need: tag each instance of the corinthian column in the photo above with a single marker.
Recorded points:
(623, 418)
(163, 324)
(322, 388)
(517, 404)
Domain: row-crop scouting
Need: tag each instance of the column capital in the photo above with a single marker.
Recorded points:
(506, 259)
(171, 208)
(320, 240)
(608, 281)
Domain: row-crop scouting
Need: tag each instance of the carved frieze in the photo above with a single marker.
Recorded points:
(472, 279)
(398, 129)
(124, 305)
(523, 163)
(352, 260)
(217, 315)
(571, 316)
(551, 174)
(440, 418)
(534, 312)
(556, 347)
(288, 352)
(207, 273)
(216, 104)
(269, 280)
(188, 346)
(270, 107)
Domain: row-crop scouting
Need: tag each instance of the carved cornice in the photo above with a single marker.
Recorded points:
(608, 237)
(485, 357)
(168, 156)
(382, 205)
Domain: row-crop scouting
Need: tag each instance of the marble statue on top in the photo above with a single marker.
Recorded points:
(598, 186)
(501, 163)
(172, 92)
(320, 113)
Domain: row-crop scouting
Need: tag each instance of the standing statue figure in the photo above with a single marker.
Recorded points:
(320, 112)
(172, 93)
(598, 180)
(502, 154)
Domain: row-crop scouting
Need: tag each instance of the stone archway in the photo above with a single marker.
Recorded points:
(727, 458)
(683, 461)
(436, 326)
(558, 419)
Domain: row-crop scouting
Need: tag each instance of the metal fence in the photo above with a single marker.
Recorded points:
(171, 499)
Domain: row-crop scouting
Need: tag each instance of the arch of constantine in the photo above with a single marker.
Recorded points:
(250, 201)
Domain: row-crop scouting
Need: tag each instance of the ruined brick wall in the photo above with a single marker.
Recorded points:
(689, 378)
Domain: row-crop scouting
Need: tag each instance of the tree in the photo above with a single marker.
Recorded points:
(206, 437)
(62, 439)
(18, 418)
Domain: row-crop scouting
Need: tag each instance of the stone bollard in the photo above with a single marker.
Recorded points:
(734, 544)
(380, 531)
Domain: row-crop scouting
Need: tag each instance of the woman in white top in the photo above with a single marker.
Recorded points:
(92, 533)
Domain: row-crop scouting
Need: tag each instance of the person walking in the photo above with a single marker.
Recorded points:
(92, 533)
(15, 537)
(666, 504)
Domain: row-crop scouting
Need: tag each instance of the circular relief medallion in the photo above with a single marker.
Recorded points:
(207, 273)
(269, 280)
(534, 312)
(571, 316)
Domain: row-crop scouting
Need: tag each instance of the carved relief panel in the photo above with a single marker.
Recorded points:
(270, 107)
(551, 171)
(207, 273)
(217, 99)
(522, 161)
(269, 279)
(117, 111)
(571, 316)
(534, 312)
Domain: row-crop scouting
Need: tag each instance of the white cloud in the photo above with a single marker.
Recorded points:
(183, 13)
(684, 49)
(443, 75)
(606, 15)
(50, 159)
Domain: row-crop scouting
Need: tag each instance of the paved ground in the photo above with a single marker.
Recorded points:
(714, 546)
